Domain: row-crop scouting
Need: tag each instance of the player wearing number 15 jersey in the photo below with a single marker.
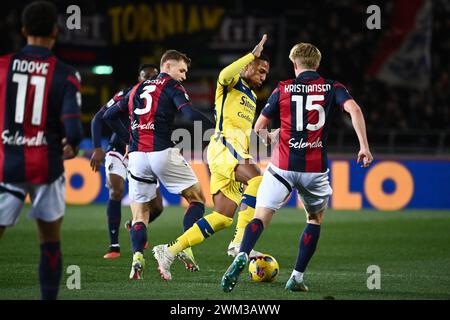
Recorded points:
(40, 106)
(305, 106)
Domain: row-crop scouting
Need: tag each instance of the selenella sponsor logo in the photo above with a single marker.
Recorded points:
(18, 140)
(302, 145)
(142, 126)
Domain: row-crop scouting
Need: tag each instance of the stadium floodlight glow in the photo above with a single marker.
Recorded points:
(102, 69)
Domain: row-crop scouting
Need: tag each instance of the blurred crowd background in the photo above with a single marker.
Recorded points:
(399, 74)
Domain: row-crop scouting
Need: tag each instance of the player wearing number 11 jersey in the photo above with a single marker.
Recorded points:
(40, 106)
(305, 106)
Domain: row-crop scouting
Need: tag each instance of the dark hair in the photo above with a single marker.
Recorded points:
(39, 18)
(147, 66)
(175, 55)
(264, 57)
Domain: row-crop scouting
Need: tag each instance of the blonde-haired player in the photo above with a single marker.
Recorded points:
(305, 107)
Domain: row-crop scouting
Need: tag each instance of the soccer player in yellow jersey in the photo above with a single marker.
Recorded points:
(229, 160)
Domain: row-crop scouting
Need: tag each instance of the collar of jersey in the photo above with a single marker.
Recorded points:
(163, 75)
(242, 86)
(308, 75)
(37, 50)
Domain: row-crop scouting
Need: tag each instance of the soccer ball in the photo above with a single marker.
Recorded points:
(264, 269)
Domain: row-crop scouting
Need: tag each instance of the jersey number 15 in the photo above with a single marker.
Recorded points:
(309, 106)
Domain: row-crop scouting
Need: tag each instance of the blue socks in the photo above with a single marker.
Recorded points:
(193, 213)
(114, 212)
(252, 232)
(50, 270)
(138, 234)
(307, 246)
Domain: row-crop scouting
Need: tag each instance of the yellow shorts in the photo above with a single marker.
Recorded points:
(223, 158)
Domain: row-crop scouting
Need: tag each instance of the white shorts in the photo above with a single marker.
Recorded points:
(115, 163)
(167, 166)
(313, 189)
(47, 201)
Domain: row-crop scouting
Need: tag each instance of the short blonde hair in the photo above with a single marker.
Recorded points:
(306, 55)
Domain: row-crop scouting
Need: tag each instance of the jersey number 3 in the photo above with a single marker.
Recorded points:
(148, 100)
(22, 84)
(309, 106)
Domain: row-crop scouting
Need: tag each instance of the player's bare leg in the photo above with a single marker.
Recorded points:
(224, 205)
(156, 208)
(249, 174)
(50, 266)
(307, 247)
(116, 186)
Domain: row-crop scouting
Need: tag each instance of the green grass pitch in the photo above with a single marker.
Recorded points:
(410, 247)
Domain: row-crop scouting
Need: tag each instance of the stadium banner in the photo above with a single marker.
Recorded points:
(404, 57)
(385, 185)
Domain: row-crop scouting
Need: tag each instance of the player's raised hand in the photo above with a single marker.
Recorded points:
(365, 157)
(97, 159)
(260, 46)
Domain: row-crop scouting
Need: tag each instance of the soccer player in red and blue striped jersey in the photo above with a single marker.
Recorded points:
(40, 106)
(305, 106)
(116, 164)
(152, 106)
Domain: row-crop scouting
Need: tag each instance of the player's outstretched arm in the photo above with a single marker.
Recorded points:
(194, 115)
(364, 154)
(228, 73)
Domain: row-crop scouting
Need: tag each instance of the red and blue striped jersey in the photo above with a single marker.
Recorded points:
(152, 106)
(37, 91)
(305, 107)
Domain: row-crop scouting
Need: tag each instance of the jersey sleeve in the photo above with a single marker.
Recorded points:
(341, 94)
(179, 96)
(121, 103)
(230, 74)
(72, 97)
(71, 108)
(96, 128)
(272, 108)
(112, 117)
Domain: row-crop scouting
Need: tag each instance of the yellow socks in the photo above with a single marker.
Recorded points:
(201, 230)
(245, 216)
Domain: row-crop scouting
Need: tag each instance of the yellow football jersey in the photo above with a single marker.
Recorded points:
(235, 106)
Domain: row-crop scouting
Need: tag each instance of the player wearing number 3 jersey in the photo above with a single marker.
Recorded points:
(305, 107)
(152, 106)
